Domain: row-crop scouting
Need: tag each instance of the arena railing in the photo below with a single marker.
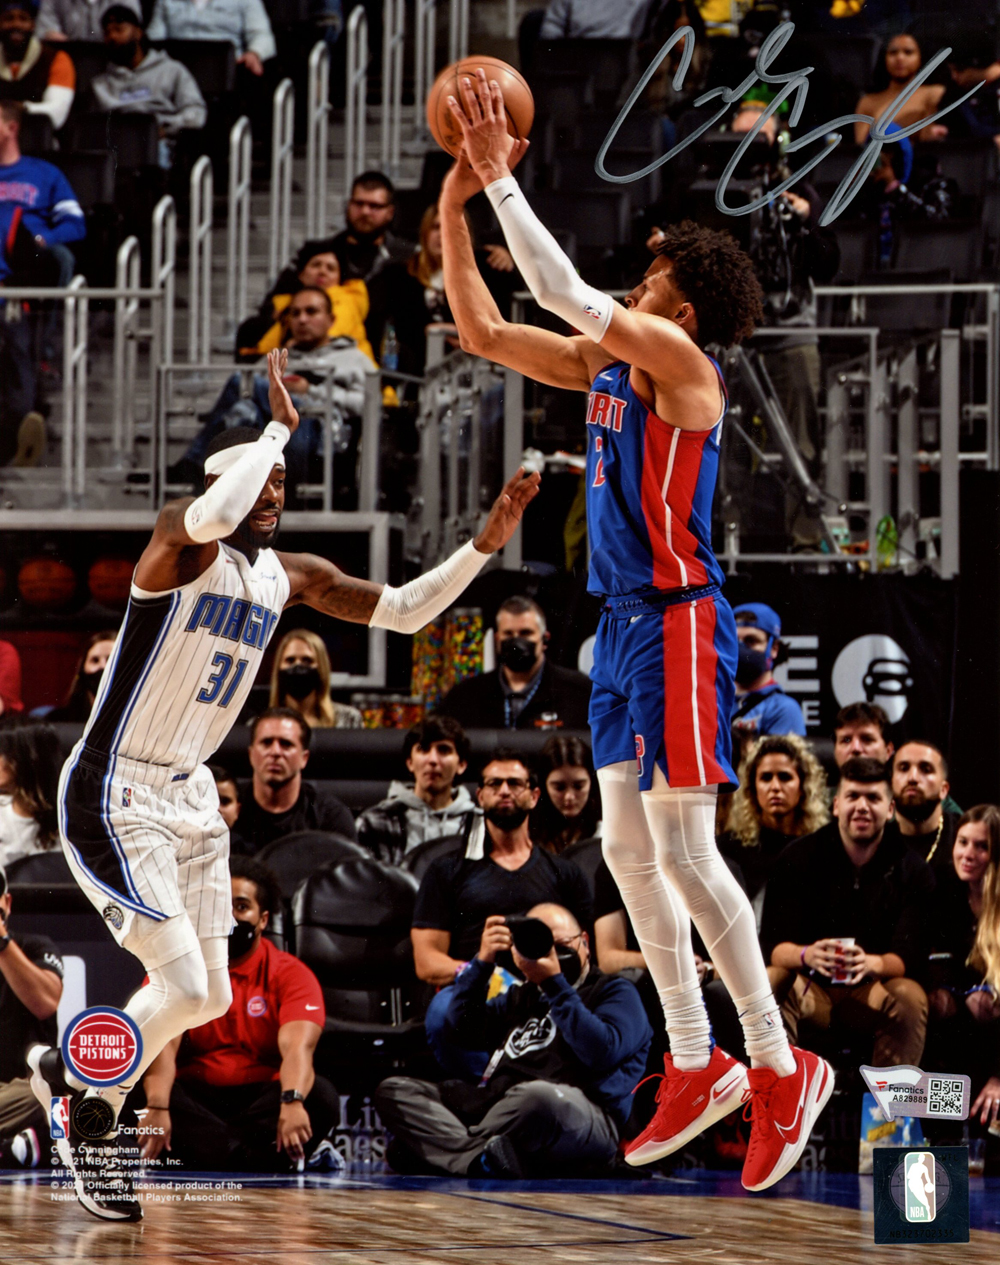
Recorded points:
(282, 157)
(393, 47)
(238, 222)
(355, 146)
(425, 17)
(875, 379)
(125, 354)
(199, 323)
(317, 139)
(458, 31)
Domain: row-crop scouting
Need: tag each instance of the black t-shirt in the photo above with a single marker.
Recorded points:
(314, 810)
(19, 1029)
(458, 895)
(816, 892)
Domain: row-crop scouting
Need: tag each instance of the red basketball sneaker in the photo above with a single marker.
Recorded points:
(686, 1104)
(784, 1110)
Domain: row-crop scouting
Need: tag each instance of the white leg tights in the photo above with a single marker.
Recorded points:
(658, 916)
(184, 991)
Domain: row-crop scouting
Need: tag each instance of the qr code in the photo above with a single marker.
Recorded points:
(944, 1098)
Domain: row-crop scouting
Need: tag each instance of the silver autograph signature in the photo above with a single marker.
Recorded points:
(795, 82)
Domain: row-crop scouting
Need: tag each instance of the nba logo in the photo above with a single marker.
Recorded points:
(127, 797)
(640, 751)
(591, 311)
(920, 1187)
(59, 1118)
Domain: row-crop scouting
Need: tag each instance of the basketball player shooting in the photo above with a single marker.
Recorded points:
(138, 811)
(665, 654)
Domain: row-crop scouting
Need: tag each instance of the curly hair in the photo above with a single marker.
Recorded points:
(811, 811)
(718, 280)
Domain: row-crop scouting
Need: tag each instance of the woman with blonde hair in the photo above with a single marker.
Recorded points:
(782, 796)
(300, 679)
(963, 990)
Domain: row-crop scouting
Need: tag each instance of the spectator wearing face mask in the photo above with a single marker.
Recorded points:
(300, 679)
(525, 687)
(86, 680)
(926, 815)
(762, 706)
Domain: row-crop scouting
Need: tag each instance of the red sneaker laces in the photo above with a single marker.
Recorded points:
(761, 1121)
(663, 1078)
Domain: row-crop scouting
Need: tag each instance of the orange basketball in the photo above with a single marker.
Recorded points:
(517, 99)
(110, 580)
(46, 582)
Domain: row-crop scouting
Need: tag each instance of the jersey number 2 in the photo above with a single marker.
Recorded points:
(216, 682)
(599, 472)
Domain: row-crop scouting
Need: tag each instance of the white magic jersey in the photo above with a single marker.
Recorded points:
(185, 661)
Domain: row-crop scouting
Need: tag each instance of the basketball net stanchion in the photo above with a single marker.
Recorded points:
(200, 261)
(282, 154)
(238, 222)
(355, 149)
(125, 352)
(317, 142)
(393, 39)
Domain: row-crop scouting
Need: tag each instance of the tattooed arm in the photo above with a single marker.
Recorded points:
(321, 585)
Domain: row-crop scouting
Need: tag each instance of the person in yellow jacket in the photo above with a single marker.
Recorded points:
(315, 265)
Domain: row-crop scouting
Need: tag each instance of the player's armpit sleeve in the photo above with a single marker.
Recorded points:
(221, 508)
(409, 608)
(548, 273)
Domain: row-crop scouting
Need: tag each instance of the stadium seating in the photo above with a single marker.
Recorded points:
(419, 859)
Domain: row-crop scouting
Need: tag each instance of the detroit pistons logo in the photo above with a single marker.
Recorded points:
(640, 751)
(102, 1046)
(257, 1006)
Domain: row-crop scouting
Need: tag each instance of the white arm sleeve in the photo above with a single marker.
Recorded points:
(221, 508)
(549, 274)
(409, 608)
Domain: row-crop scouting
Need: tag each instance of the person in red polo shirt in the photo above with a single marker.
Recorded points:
(239, 1093)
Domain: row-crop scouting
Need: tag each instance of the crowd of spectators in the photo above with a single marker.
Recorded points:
(877, 904)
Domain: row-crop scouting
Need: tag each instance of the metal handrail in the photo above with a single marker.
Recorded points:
(127, 268)
(238, 222)
(423, 60)
(458, 30)
(200, 260)
(393, 43)
(512, 19)
(282, 155)
(163, 276)
(355, 150)
(317, 139)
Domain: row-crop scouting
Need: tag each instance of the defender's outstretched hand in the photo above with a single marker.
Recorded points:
(507, 510)
(489, 147)
(282, 408)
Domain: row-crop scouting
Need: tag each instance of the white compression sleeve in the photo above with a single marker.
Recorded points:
(221, 508)
(549, 274)
(409, 608)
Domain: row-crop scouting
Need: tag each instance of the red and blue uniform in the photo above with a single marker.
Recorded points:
(665, 655)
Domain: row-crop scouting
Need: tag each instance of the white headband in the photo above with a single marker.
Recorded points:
(220, 462)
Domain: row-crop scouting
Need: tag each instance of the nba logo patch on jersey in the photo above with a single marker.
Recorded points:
(126, 797)
(59, 1118)
(592, 311)
(257, 1006)
(640, 751)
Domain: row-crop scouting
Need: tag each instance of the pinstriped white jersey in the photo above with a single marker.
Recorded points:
(185, 660)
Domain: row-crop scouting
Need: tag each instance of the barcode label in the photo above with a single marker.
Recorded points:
(944, 1097)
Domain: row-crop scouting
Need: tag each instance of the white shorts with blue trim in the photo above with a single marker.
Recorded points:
(145, 842)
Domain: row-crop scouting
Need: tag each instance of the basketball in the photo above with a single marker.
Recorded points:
(517, 99)
(110, 580)
(46, 582)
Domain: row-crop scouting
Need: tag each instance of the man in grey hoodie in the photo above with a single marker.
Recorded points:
(431, 807)
(146, 81)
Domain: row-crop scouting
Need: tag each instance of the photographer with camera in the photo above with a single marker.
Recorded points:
(568, 1047)
(762, 706)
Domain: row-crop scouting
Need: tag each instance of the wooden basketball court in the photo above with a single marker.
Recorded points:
(697, 1217)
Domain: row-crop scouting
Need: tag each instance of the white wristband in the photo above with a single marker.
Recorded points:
(548, 272)
(409, 608)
